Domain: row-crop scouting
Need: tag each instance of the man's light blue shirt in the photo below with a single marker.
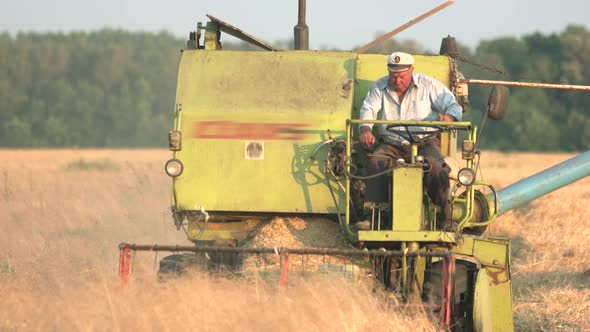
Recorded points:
(425, 99)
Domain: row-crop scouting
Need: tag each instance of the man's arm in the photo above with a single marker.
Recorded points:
(446, 118)
(444, 102)
(366, 136)
(369, 110)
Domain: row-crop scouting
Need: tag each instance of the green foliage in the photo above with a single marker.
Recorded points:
(103, 89)
(537, 119)
(92, 165)
(113, 88)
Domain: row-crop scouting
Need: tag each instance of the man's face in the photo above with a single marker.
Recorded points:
(400, 81)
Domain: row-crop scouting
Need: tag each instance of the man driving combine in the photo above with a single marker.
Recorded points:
(405, 95)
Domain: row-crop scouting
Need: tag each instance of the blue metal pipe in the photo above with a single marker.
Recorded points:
(542, 183)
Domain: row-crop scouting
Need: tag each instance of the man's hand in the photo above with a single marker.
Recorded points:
(446, 118)
(366, 137)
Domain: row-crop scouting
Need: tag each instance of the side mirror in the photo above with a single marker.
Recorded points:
(498, 102)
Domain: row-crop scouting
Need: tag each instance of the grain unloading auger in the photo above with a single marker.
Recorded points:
(268, 138)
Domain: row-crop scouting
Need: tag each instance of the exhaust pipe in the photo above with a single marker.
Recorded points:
(301, 30)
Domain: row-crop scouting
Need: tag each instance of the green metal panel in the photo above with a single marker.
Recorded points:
(250, 122)
(492, 308)
(490, 252)
(501, 299)
(482, 307)
(407, 199)
(397, 236)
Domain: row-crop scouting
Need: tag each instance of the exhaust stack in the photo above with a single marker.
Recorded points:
(301, 30)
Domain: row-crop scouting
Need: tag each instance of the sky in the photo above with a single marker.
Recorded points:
(332, 23)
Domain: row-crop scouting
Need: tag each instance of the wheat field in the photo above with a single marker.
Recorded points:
(63, 213)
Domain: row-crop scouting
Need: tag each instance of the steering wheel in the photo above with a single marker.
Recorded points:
(414, 133)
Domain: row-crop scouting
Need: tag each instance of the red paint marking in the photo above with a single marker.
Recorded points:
(284, 280)
(124, 265)
(447, 290)
(248, 130)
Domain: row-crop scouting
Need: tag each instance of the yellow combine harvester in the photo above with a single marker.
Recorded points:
(263, 134)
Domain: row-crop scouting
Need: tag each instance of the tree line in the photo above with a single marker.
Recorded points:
(109, 88)
(113, 88)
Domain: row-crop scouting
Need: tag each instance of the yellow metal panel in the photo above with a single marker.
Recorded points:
(270, 82)
(482, 307)
(448, 144)
(490, 252)
(501, 301)
(492, 309)
(279, 105)
(397, 236)
(407, 199)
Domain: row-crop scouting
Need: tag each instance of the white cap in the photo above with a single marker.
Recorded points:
(399, 61)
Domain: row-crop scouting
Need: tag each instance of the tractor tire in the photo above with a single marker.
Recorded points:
(224, 262)
(177, 265)
(383, 271)
(171, 267)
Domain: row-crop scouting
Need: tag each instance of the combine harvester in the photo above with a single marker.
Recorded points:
(273, 134)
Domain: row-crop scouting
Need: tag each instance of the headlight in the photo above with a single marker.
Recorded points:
(466, 176)
(174, 167)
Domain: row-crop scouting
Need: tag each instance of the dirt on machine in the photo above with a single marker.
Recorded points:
(268, 178)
